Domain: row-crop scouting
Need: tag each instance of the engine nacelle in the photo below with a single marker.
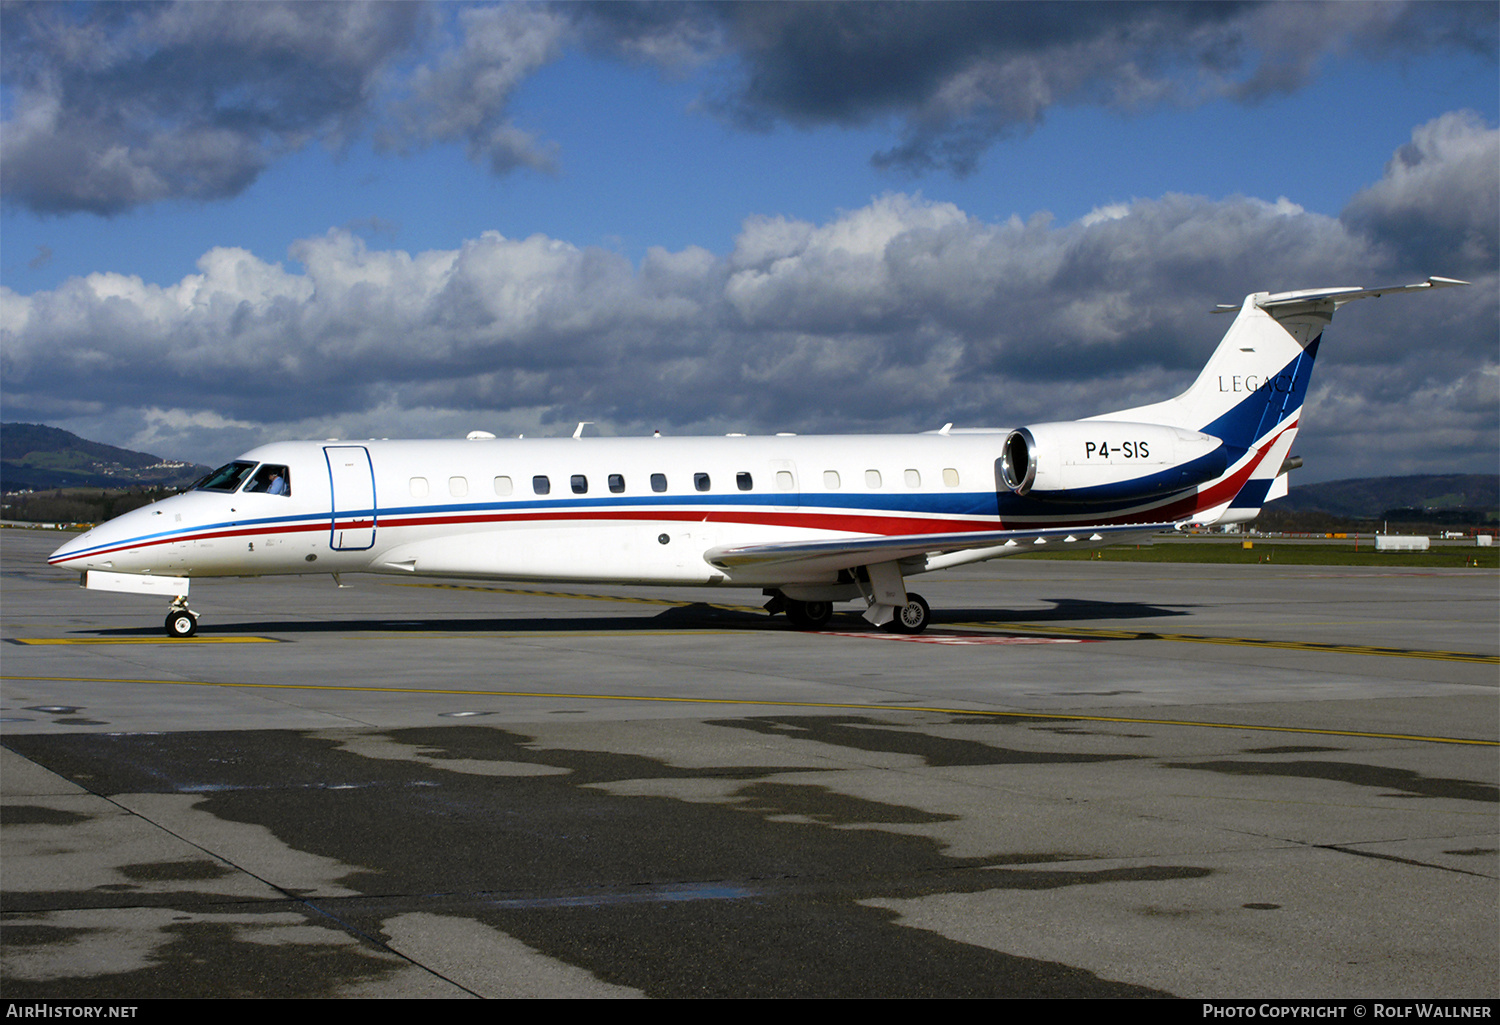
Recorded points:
(1106, 461)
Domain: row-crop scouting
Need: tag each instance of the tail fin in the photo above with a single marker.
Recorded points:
(1251, 392)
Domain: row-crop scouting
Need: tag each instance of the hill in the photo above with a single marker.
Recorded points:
(1371, 496)
(35, 457)
(1421, 502)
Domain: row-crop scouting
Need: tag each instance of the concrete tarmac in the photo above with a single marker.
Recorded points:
(1087, 779)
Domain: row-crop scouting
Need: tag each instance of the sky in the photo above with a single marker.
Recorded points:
(227, 224)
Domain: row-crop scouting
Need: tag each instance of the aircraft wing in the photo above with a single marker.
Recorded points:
(848, 553)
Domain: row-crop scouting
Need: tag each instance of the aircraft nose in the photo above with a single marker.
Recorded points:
(102, 546)
(72, 547)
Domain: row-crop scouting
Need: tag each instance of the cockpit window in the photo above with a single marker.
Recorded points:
(271, 479)
(226, 478)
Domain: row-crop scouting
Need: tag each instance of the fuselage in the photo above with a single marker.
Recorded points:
(612, 510)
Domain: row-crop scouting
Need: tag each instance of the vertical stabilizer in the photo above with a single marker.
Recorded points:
(1251, 392)
(1256, 379)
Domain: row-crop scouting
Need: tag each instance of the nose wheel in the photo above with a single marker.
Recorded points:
(181, 620)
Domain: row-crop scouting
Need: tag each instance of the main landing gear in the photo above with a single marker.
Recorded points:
(808, 615)
(910, 618)
(181, 620)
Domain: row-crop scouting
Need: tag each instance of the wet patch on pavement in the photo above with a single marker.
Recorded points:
(761, 894)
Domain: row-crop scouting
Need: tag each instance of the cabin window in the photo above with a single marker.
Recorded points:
(503, 486)
(541, 485)
(831, 479)
(743, 481)
(913, 479)
(226, 478)
(616, 483)
(418, 487)
(270, 480)
(580, 484)
(700, 481)
(950, 477)
(872, 478)
(658, 482)
(458, 487)
(784, 480)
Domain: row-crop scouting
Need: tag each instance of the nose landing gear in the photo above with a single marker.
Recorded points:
(181, 620)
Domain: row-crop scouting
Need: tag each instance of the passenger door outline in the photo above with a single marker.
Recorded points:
(352, 508)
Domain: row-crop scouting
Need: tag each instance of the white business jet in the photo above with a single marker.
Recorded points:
(809, 520)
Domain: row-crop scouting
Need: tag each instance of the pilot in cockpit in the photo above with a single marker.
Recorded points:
(271, 480)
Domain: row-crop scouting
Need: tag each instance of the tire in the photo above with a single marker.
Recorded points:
(911, 618)
(809, 615)
(181, 624)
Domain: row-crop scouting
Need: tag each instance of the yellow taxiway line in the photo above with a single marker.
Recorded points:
(145, 640)
(1028, 628)
(1037, 630)
(1249, 642)
(847, 705)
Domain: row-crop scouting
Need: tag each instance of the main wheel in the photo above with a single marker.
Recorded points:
(809, 615)
(911, 618)
(181, 623)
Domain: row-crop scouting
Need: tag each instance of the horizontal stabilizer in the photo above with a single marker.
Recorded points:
(1340, 296)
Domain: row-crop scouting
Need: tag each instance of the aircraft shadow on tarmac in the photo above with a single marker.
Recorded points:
(677, 617)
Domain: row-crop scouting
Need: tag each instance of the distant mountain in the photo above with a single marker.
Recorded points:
(1372, 497)
(35, 457)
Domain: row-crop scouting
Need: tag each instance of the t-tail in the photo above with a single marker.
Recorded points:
(1250, 394)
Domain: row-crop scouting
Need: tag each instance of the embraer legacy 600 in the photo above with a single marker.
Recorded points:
(810, 520)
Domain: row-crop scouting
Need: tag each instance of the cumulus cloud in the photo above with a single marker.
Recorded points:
(1439, 200)
(112, 105)
(954, 77)
(118, 105)
(463, 96)
(899, 315)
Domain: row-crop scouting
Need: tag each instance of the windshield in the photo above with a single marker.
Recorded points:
(225, 478)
